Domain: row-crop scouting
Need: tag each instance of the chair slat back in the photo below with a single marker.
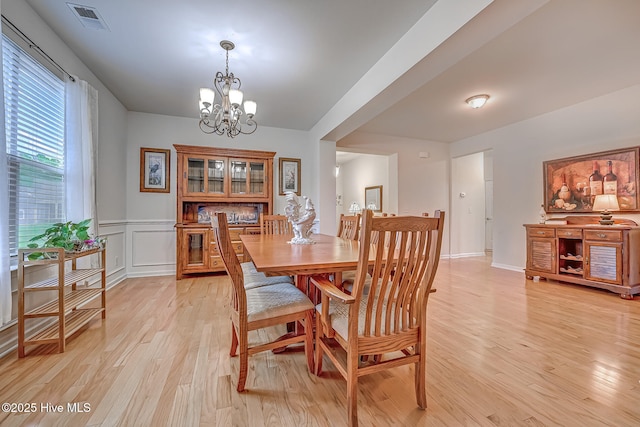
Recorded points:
(275, 224)
(230, 261)
(349, 227)
(406, 252)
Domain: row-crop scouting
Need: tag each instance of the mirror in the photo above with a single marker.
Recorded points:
(373, 198)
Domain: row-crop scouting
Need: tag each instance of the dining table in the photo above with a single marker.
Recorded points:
(273, 255)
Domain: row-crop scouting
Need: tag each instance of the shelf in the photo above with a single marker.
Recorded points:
(70, 278)
(73, 322)
(71, 300)
(65, 304)
(577, 272)
(571, 258)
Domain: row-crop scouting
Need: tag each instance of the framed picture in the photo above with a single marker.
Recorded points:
(571, 184)
(289, 176)
(373, 198)
(154, 170)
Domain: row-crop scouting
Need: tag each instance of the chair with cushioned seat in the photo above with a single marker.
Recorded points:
(389, 321)
(257, 307)
(275, 224)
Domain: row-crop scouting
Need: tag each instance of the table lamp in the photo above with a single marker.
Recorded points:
(354, 208)
(606, 203)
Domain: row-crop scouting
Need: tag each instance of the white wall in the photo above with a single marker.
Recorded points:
(417, 184)
(150, 239)
(366, 170)
(600, 124)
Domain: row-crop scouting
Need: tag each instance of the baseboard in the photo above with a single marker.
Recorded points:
(467, 255)
(508, 267)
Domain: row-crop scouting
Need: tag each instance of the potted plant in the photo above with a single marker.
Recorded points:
(71, 236)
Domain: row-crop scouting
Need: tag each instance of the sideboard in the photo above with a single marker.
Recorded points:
(586, 253)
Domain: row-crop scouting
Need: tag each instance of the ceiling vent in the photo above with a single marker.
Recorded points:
(88, 16)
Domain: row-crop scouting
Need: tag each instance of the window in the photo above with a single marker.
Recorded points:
(34, 124)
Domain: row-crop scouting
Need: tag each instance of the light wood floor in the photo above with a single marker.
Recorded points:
(502, 351)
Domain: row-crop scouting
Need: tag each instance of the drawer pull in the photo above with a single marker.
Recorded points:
(541, 232)
(569, 234)
(602, 235)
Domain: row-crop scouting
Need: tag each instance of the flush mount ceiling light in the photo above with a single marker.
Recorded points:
(477, 101)
(224, 118)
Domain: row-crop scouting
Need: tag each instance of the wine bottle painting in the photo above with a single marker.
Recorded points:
(571, 184)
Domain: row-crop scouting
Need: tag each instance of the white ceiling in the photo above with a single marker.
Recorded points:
(297, 58)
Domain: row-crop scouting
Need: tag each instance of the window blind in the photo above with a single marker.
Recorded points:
(34, 125)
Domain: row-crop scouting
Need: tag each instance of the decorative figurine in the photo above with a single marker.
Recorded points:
(543, 215)
(301, 219)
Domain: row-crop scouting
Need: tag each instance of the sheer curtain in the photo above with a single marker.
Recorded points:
(81, 145)
(5, 271)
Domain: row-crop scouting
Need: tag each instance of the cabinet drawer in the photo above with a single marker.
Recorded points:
(235, 233)
(238, 247)
(569, 233)
(542, 232)
(213, 249)
(216, 262)
(603, 235)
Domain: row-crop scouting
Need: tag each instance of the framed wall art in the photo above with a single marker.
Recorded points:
(154, 170)
(373, 198)
(571, 184)
(289, 176)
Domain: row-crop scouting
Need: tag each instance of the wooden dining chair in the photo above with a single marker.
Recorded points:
(349, 226)
(260, 307)
(391, 318)
(275, 224)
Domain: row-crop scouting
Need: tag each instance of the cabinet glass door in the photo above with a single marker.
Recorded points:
(257, 178)
(216, 171)
(195, 176)
(194, 250)
(238, 172)
(248, 178)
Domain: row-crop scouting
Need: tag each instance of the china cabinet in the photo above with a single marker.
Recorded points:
(75, 301)
(586, 253)
(210, 180)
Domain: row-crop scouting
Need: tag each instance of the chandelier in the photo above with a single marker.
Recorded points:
(224, 117)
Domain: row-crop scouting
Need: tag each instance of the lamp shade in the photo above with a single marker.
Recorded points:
(235, 97)
(606, 202)
(477, 101)
(250, 107)
(207, 95)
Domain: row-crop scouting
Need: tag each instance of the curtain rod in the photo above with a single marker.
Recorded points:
(35, 47)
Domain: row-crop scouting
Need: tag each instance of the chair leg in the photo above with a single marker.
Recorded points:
(308, 341)
(244, 361)
(234, 341)
(319, 336)
(352, 389)
(420, 382)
